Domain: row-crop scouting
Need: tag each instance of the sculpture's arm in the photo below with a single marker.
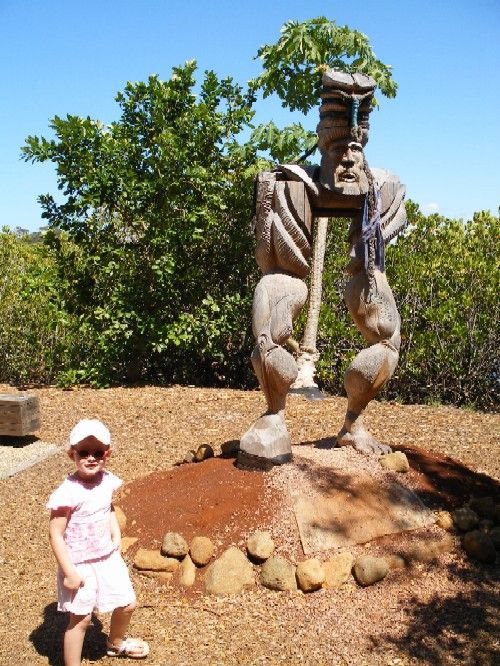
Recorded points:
(392, 206)
(283, 244)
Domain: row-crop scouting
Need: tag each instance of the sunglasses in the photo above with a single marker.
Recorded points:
(98, 454)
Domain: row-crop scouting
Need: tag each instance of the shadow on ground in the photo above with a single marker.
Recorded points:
(461, 629)
(18, 442)
(443, 482)
(47, 638)
(447, 483)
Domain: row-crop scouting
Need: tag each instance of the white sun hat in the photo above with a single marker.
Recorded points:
(89, 428)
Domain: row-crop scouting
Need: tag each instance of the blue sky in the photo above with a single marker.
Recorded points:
(441, 134)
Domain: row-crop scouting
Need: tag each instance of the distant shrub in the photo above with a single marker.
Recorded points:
(38, 339)
(444, 275)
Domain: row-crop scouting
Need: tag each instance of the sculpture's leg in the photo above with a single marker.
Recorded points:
(277, 301)
(378, 320)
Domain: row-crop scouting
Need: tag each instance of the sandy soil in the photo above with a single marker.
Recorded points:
(440, 612)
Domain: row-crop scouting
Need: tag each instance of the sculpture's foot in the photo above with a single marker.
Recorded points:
(362, 441)
(267, 439)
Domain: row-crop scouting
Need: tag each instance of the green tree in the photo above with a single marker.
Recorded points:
(151, 241)
(292, 70)
(294, 64)
(445, 277)
(147, 271)
(156, 249)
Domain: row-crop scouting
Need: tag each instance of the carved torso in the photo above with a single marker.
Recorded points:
(288, 199)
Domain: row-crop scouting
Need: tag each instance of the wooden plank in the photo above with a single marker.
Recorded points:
(298, 199)
(331, 204)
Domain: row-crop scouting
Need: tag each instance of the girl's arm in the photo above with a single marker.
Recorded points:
(116, 534)
(57, 526)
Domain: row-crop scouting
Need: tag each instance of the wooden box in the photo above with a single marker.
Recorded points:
(19, 414)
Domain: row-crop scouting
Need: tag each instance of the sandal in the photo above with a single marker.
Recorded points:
(133, 648)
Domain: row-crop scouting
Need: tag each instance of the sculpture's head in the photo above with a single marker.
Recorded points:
(343, 131)
(343, 167)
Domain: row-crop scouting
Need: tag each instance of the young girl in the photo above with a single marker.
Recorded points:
(85, 538)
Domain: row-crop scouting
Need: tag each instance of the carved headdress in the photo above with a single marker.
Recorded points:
(345, 108)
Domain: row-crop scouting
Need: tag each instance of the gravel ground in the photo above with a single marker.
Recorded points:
(433, 613)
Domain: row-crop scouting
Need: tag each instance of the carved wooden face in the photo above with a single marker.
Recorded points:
(342, 171)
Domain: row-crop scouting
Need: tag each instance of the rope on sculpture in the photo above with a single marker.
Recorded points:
(371, 234)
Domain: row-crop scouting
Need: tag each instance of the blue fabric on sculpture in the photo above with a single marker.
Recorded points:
(371, 228)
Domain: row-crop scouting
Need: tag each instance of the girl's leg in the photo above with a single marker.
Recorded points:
(120, 620)
(115, 586)
(73, 638)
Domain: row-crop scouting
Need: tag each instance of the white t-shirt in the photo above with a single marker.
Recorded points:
(88, 532)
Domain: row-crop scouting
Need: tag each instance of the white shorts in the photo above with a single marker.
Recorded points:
(107, 586)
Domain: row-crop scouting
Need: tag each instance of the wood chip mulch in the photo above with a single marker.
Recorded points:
(439, 612)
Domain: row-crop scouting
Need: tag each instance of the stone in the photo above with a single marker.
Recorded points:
(310, 575)
(444, 520)
(268, 438)
(203, 452)
(189, 457)
(486, 524)
(201, 550)
(484, 507)
(465, 519)
(396, 562)
(337, 570)
(120, 517)
(260, 545)
(368, 570)
(152, 560)
(278, 574)
(479, 546)
(126, 543)
(187, 572)
(429, 550)
(230, 449)
(230, 574)
(495, 537)
(396, 462)
(174, 545)
(162, 576)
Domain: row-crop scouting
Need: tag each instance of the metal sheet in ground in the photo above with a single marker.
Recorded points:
(359, 511)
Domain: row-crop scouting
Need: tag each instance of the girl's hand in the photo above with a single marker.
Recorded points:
(74, 581)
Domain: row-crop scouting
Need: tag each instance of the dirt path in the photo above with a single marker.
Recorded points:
(440, 613)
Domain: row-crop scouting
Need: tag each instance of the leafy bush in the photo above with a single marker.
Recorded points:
(444, 275)
(38, 339)
(150, 255)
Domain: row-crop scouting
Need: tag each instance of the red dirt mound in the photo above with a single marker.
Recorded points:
(213, 498)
